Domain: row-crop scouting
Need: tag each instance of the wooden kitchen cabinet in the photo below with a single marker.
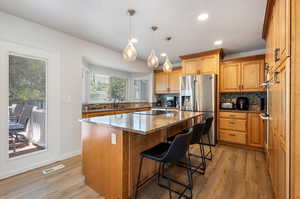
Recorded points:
(277, 33)
(191, 67)
(201, 63)
(242, 74)
(255, 130)
(167, 82)
(230, 77)
(241, 128)
(252, 75)
(174, 81)
(278, 160)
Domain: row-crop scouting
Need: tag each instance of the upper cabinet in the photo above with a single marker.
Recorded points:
(242, 74)
(201, 63)
(277, 32)
(231, 70)
(167, 82)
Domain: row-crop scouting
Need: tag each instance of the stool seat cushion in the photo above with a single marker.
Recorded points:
(157, 152)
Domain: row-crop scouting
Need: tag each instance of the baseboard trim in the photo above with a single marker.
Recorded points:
(70, 155)
(40, 164)
(23, 170)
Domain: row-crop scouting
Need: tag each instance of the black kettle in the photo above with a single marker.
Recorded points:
(242, 103)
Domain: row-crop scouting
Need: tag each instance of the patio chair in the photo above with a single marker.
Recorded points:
(17, 140)
(14, 116)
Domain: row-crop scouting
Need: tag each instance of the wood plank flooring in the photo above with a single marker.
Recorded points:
(233, 174)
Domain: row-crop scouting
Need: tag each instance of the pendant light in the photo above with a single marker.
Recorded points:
(168, 66)
(129, 53)
(152, 60)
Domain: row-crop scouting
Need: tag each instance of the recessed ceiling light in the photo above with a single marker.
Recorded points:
(134, 40)
(203, 17)
(163, 54)
(218, 42)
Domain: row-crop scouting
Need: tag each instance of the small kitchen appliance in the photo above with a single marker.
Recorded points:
(171, 101)
(242, 103)
(227, 105)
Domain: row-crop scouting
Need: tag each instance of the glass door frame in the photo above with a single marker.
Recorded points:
(22, 163)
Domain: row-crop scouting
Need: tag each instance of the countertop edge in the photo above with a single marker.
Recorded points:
(137, 131)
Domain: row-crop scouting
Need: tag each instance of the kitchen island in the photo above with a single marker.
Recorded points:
(111, 147)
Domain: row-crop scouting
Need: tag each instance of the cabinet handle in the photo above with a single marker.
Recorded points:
(231, 134)
(231, 122)
(231, 115)
(277, 54)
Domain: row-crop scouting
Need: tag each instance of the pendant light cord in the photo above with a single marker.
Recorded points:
(130, 24)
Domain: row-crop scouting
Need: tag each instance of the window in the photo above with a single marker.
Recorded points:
(106, 88)
(141, 89)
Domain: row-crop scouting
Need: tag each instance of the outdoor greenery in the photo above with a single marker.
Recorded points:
(108, 88)
(27, 80)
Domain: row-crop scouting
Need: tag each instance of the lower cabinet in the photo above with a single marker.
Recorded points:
(241, 128)
(255, 130)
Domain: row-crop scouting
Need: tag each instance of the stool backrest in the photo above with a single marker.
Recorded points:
(178, 147)
(207, 125)
(197, 133)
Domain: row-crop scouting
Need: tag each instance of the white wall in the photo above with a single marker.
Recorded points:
(71, 50)
(245, 54)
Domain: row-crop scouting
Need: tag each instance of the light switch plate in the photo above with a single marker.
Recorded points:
(113, 138)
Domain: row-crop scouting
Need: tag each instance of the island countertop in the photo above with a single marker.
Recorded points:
(143, 123)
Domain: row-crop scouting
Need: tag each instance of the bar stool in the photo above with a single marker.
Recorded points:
(198, 130)
(165, 153)
(207, 126)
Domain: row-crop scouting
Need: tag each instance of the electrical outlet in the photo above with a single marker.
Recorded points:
(113, 138)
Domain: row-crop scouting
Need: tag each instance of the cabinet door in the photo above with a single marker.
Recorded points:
(174, 81)
(252, 75)
(209, 65)
(230, 77)
(190, 67)
(161, 82)
(255, 130)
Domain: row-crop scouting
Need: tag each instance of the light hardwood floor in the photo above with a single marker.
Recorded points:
(233, 174)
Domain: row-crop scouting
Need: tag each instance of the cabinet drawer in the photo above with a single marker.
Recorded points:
(233, 124)
(233, 137)
(233, 115)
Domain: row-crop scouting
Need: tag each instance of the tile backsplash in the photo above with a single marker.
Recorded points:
(254, 97)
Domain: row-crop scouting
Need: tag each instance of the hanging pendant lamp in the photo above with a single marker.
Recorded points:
(168, 66)
(152, 60)
(129, 53)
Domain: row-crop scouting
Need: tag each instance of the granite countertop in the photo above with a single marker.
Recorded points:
(114, 109)
(143, 124)
(241, 111)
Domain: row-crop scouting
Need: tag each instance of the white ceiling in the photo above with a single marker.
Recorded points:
(237, 22)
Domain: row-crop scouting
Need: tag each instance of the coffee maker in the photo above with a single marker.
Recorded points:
(242, 103)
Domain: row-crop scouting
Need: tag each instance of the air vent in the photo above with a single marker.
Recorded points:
(53, 169)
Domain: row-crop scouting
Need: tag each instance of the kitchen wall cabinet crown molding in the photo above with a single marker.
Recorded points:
(242, 74)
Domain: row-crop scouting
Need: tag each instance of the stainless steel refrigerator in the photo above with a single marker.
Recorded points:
(198, 94)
